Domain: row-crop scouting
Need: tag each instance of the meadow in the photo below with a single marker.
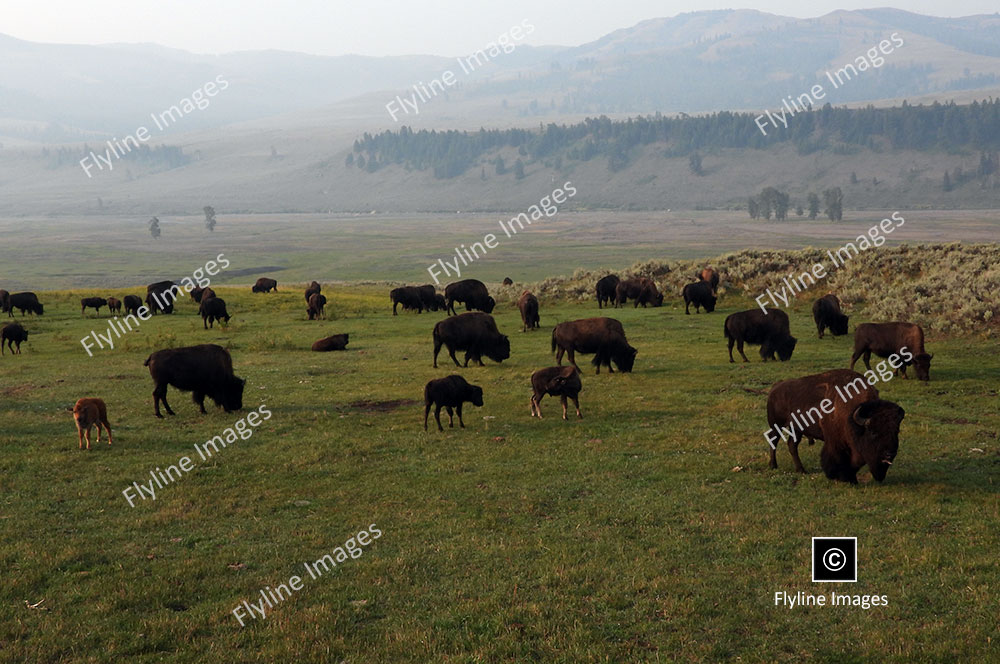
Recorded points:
(651, 530)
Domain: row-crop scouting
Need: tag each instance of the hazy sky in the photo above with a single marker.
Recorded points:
(377, 27)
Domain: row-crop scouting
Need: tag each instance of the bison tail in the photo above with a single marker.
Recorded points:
(146, 363)
(553, 340)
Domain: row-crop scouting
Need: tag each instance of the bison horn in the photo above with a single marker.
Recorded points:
(887, 462)
(861, 421)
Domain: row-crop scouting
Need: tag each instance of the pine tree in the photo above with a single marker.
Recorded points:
(813, 202)
(154, 227)
(519, 170)
(209, 217)
(946, 183)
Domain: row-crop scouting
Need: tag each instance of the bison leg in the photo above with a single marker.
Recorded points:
(854, 358)
(458, 409)
(867, 359)
(571, 354)
(563, 399)
(160, 394)
(731, 342)
(576, 404)
(107, 427)
(559, 355)
(739, 347)
(79, 431)
(437, 416)
(536, 404)
(394, 313)
(199, 398)
(427, 411)
(437, 349)
(88, 436)
(451, 417)
(793, 449)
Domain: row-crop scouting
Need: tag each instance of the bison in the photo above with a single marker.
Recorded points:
(4, 301)
(711, 277)
(12, 335)
(336, 342)
(94, 302)
(641, 290)
(213, 309)
(528, 305)
(439, 303)
(605, 337)
(607, 288)
(264, 285)
(475, 333)
(160, 296)
(450, 392)
(86, 413)
(132, 304)
(25, 301)
(317, 306)
(560, 382)
(411, 297)
(199, 293)
(114, 305)
(507, 281)
(700, 294)
(205, 370)
(885, 339)
(314, 287)
(827, 314)
(472, 293)
(770, 330)
(430, 298)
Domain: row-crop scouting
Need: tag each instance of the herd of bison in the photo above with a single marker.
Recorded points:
(860, 430)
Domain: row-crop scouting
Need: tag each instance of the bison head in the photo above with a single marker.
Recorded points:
(624, 358)
(499, 351)
(709, 304)
(838, 326)
(232, 394)
(489, 305)
(922, 364)
(256, 289)
(39, 309)
(785, 347)
(877, 430)
(476, 395)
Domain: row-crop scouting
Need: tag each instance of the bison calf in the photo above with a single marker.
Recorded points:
(12, 335)
(560, 382)
(114, 305)
(450, 392)
(528, 304)
(336, 342)
(87, 412)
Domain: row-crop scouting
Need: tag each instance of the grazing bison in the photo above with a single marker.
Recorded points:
(198, 293)
(607, 288)
(528, 304)
(160, 297)
(475, 333)
(472, 293)
(12, 335)
(641, 290)
(205, 370)
(213, 309)
(132, 304)
(560, 382)
(94, 302)
(507, 281)
(336, 342)
(411, 297)
(700, 294)
(450, 392)
(313, 288)
(605, 337)
(885, 339)
(711, 277)
(827, 314)
(439, 303)
(86, 413)
(25, 301)
(769, 330)
(317, 306)
(265, 285)
(114, 305)
(4, 301)
(429, 297)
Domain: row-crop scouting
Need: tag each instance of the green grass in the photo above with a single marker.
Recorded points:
(651, 530)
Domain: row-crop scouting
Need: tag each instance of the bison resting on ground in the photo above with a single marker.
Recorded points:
(700, 294)
(475, 333)
(264, 285)
(607, 287)
(560, 382)
(770, 330)
(885, 339)
(161, 296)
(114, 305)
(827, 314)
(528, 304)
(94, 302)
(411, 297)
(450, 392)
(12, 333)
(86, 413)
(605, 337)
(25, 301)
(642, 290)
(336, 342)
(472, 293)
(710, 276)
(132, 304)
(840, 408)
(213, 309)
(205, 370)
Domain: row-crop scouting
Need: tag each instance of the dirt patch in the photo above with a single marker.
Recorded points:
(18, 390)
(381, 406)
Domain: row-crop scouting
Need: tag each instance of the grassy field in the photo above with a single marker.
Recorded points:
(651, 530)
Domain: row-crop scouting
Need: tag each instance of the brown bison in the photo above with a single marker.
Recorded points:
(114, 305)
(317, 306)
(439, 303)
(132, 304)
(264, 285)
(12, 335)
(528, 305)
(641, 290)
(840, 408)
(885, 339)
(507, 281)
(86, 413)
(607, 288)
(25, 301)
(93, 302)
(450, 392)
(336, 342)
(314, 287)
(411, 297)
(198, 293)
(475, 333)
(605, 337)
(711, 277)
(562, 382)
(472, 293)
(430, 298)
(205, 370)
(769, 330)
(700, 294)
(213, 309)
(160, 296)
(827, 314)
(4, 301)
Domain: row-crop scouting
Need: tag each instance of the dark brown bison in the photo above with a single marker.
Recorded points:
(827, 314)
(213, 309)
(607, 288)
(439, 303)
(472, 293)
(198, 293)
(114, 305)
(605, 337)
(562, 382)
(314, 287)
(641, 290)
(411, 297)
(700, 294)
(132, 304)
(93, 302)
(317, 306)
(475, 333)
(205, 370)
(711, 277)
(4, 301)
(25, 301)
(885, 339)
(450, 392)
(336, 342)
(12, 335)
(528, 305)
(264, 285)
(430, 298)
(160, 296)
(770, 330)
(507, 281)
